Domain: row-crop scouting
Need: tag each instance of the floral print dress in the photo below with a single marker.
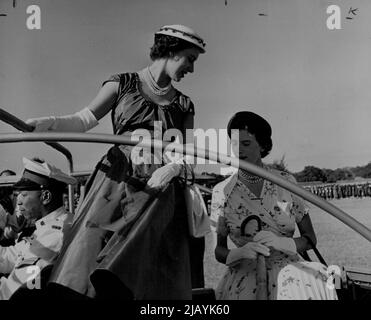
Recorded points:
(289, 277)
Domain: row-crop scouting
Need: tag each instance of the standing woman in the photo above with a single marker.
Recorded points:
(243, 196)
(130, 236)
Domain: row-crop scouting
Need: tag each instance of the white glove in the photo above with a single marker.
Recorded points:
(81, 121)
(9, 233)
(249, 251)
(162, 176)
(283, 244)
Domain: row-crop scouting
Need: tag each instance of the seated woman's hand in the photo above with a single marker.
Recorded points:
(249, 251)
(162, 176)
(283, 244)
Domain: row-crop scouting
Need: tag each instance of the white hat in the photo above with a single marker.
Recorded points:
(185, 33)
(37, 175)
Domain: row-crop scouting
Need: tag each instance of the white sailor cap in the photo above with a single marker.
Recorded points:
(38, 176)
(185, 33)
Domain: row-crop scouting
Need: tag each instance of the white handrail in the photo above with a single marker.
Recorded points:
(202, 153)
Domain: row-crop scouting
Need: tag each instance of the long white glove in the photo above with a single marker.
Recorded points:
(163, 175)
(81, 121)
(185, 160)
(177, 165)
(249, 251)
(283, 244)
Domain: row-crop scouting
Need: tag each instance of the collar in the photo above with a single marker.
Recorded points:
(51, 217)
(226, 187)
(222, 190)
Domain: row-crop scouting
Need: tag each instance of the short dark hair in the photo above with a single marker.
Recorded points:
(164, 46)
(57, 196)
(256, 125)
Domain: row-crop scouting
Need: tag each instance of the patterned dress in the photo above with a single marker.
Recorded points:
(125, 241)
(289, 277)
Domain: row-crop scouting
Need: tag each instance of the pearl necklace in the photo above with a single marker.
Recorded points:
(152, 84)
(245, 177)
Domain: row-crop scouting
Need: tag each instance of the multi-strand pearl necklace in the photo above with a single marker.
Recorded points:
(152, 84)
(245, 177)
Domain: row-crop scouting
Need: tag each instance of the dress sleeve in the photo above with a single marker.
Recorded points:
(299, 207)
(112, 78)
(123, 79)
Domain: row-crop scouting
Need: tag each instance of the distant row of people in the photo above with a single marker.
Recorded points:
(341, 191)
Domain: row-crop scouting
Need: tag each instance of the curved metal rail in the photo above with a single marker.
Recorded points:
(23, 126)
(235, 162)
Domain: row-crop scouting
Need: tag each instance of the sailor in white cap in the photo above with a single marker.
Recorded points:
(40, 201)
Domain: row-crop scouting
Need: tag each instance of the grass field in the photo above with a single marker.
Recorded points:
(338, 244)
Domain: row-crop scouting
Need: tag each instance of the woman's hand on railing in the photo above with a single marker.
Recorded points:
(41, 124)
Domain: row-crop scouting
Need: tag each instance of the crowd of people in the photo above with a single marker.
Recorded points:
(130, 235)
(341, 191)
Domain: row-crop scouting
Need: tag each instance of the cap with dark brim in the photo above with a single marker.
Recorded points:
(26, 184)
(36, 177)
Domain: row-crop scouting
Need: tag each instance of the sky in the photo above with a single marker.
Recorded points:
(311, 83)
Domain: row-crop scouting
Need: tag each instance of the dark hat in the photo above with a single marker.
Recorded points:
(37, 176)
(250, 121)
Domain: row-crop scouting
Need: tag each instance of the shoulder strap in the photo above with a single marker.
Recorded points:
(314, 248)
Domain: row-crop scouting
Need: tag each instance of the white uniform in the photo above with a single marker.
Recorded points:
(26, 258)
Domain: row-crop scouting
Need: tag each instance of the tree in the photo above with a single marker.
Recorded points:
(279, 165)
(311, 173)
(364, 171)
(339, 174)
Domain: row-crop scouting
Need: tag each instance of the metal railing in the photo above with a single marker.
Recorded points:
(202, 153)
(22, 126)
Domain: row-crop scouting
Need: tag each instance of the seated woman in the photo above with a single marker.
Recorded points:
(243, 196)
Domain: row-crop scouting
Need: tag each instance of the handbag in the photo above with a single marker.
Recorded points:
(198, 219)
